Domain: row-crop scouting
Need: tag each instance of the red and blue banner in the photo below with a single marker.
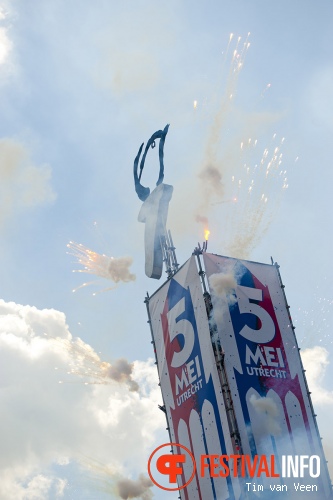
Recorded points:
(266, 379)
(189, 380)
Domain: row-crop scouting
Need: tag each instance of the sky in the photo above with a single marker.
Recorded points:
(82, 85)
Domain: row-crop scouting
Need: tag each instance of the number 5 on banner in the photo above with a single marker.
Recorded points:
(181, 327)
(266, 332)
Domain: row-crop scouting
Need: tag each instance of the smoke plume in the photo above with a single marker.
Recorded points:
(85, 363)
(119, 269)
(121, 371)
(202, 219)
(223, 291)
(127, 488)
(240, 180)
(267, 411)
(223, 285)
(115, 269)
(211, 179)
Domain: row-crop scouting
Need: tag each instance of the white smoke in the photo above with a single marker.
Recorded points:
(85, 363)
(202, 220)
(119, 269)
(211, 178)
(44, 423)
(128, 488)
(223, 291)
(224, 285)
(115, 269)
(268, 413)
(121, 371)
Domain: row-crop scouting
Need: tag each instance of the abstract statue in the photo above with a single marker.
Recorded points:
(154, 210)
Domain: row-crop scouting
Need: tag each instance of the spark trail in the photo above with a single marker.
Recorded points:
(256, 190)
(313, 325)
(108, 479)
(86, 364)
(241, 179)
(101, 265)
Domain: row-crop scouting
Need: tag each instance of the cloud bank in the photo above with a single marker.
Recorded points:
(47, 425)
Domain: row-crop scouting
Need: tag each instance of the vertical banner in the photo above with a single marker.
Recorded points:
(271, 401)
(189, 380)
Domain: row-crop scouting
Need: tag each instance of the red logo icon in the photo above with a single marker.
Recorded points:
(170, 465)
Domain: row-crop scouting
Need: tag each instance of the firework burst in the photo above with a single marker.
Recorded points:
(101, 265)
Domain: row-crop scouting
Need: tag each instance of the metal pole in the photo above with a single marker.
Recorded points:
(219, 360)
(163, 408)
(175, 264)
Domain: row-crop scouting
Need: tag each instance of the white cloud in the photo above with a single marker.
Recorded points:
(5, 44)
(23, 185)
(7, 58)
(316, 361)
(45, 423)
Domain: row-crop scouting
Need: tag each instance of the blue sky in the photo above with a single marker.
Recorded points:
(82, 86)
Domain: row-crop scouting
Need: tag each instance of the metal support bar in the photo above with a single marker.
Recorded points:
(161, 407)
(169, 254)
(172, 249)
(166, 255)
(219, 360)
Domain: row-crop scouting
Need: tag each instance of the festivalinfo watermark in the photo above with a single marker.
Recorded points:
(165, 468)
